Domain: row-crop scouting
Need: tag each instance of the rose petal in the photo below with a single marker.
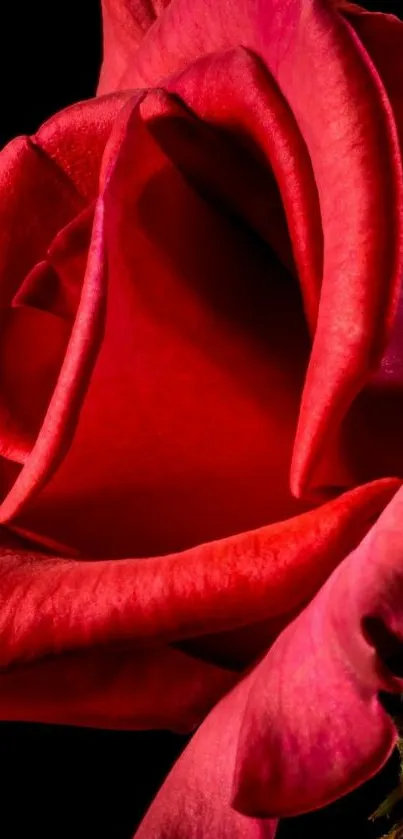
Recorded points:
(314, 726)
(28, 225)
(54, 284)
(66, 398)
(35, 333)
(75, 139)
(125, 23)
(195, 800)
(114, 688)
(196, 300)
(43, 245)
(33, 344)
(238, 648)
(96, 658)
(219, 165)
(346, 120)
(306, 725)
(372, 435)
(382, 37)
(234, 93)
(212, 588)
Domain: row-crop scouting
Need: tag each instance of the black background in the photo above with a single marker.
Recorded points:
(60, 782)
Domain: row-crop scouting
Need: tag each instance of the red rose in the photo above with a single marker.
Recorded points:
(201, 388)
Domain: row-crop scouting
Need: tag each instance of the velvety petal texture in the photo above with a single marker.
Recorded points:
(307, 725)
(372, 435)
(246, 118)
(346, 119)
(201, 370)
(125, 22)
(138, 607)
(233, 93)
(338, 657)
(195, 800)
(44, 257)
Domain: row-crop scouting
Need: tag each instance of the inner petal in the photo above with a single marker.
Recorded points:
(54, 284)
(35, 333)
(31, 351)
(186, 430)
(372, 432)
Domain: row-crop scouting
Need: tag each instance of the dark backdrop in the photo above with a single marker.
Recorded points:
(60, 782)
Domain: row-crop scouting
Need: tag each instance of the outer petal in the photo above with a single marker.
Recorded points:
(195, 800)
(75, 139)
(114, 688)
(28, 225)
(314, 726)
(307, 724)
(382, 37)
(373, 436)
(125, 23)
(58, 613)
(347, 123)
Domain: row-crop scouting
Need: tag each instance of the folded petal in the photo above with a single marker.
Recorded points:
(36, 201)
(381, 35)
(54, 284)
(46, 180)
(306, 725)
(347, 123)
(75, 138)
(35, 332)
(356, 319)
(62, 610)
(215, 158)
(372, 434)
(125, 23)
(62, 401)
(315, 726)
(193, 366)
(45, 185)
(234, 93)
(33, 344)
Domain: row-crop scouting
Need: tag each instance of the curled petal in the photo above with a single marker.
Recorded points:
(347, 123)
(234, 93)
(315, 726)
(44, 248)
(212, 588)
(71, 381)
(27, 226)
(75, 138)
(373, 431)
(382, 37)
(144, 604)
(177, 291)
